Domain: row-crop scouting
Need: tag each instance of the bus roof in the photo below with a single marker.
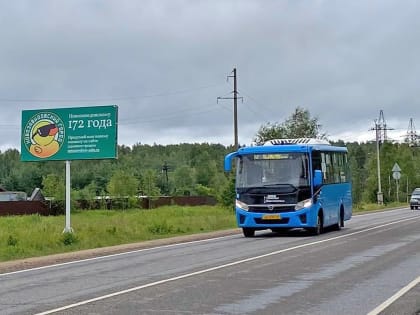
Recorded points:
(297, 141)
(291, 145)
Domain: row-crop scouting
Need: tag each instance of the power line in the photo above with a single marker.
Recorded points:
(124, 98)
(256, 102)
(163, 117)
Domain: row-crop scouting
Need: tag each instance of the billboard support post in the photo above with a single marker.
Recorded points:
(67, 134)
(68, 228)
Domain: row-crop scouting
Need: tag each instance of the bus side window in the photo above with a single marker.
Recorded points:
(316, 160)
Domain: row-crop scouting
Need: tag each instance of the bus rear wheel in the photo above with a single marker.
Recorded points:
(248, 232)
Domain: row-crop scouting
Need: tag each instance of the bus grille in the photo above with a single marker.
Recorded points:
(271, 208)
(279, 221)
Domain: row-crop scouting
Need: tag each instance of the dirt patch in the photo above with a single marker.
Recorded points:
(36, 262)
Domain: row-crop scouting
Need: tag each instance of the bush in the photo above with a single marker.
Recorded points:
(160, 228)
(69, 238)
(12, 241)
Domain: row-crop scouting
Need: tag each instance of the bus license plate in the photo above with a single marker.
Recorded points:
(271, 217)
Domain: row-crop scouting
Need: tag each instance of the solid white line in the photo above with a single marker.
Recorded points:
(214, 268)
(113, 255)
(395, 297)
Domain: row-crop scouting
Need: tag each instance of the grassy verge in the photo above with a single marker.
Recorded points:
(32, 236)
(357, 208)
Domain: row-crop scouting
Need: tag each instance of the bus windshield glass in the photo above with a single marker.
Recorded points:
(260, 170)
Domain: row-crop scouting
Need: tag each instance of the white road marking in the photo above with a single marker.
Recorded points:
(395, 297)
(113, 255)
(137, 251)
(148, 285)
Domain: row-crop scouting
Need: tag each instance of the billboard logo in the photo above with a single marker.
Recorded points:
(44, 134)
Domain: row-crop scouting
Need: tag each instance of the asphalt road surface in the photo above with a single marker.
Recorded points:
(372, 266)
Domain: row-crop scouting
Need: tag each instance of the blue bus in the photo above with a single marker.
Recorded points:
(291, 183)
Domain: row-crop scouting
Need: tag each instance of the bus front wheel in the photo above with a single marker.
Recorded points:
(318, 229)
(340, 222)
(248, 232)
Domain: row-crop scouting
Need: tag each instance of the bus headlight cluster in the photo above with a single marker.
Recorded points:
(240, 204)
(303, 204)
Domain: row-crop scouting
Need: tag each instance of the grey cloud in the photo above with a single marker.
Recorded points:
(165, 63)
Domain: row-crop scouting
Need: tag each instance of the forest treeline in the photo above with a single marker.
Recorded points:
(151, 170)
(194, 169)
(197, 169)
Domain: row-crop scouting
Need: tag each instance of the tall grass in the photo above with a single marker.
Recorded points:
(34, 235)
(362, 207)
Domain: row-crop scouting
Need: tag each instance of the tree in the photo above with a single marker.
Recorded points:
(149, 187)
(184, 179)
(299, 125)
(122, 184)
(53, 186)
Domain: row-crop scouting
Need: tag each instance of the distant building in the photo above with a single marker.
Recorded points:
(13, 196)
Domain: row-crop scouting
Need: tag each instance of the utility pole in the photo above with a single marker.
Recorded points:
(165, 169)
(235, 107)
(411, 137)
(380, 128)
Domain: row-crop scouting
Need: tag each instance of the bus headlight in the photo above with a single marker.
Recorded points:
(241, 205)
(303, 204)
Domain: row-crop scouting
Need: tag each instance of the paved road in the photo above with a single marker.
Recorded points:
(352, 271)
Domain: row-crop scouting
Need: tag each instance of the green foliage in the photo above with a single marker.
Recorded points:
(149, 187)
(30, 236)
(112, 230)
(188, 165)
(122, 184)
(227, 198)
(12, 241)
(204, 190)
(54, 186)
(197, 169)
(86, 193)
(160, 228)
(299, 125)
(185, 181)
(69, 238)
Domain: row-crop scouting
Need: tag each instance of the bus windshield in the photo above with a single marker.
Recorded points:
(260, 170)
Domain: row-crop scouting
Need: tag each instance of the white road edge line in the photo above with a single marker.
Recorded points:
(148, 285)
(395, 297)
(132, 252)
(114, 255)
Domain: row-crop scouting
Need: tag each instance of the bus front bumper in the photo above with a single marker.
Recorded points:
(257, 220)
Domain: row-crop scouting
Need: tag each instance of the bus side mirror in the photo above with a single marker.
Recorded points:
(228, 161)
(317, 178)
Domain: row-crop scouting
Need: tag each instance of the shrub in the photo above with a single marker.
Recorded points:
(69, 238)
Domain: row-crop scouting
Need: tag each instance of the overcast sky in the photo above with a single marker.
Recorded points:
(164, 63)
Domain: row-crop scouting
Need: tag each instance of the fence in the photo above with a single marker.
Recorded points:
(23, 207)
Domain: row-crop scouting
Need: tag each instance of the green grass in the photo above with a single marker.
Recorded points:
(34, 235)
(357, 208)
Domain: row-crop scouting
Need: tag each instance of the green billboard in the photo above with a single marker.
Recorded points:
(76, 133)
